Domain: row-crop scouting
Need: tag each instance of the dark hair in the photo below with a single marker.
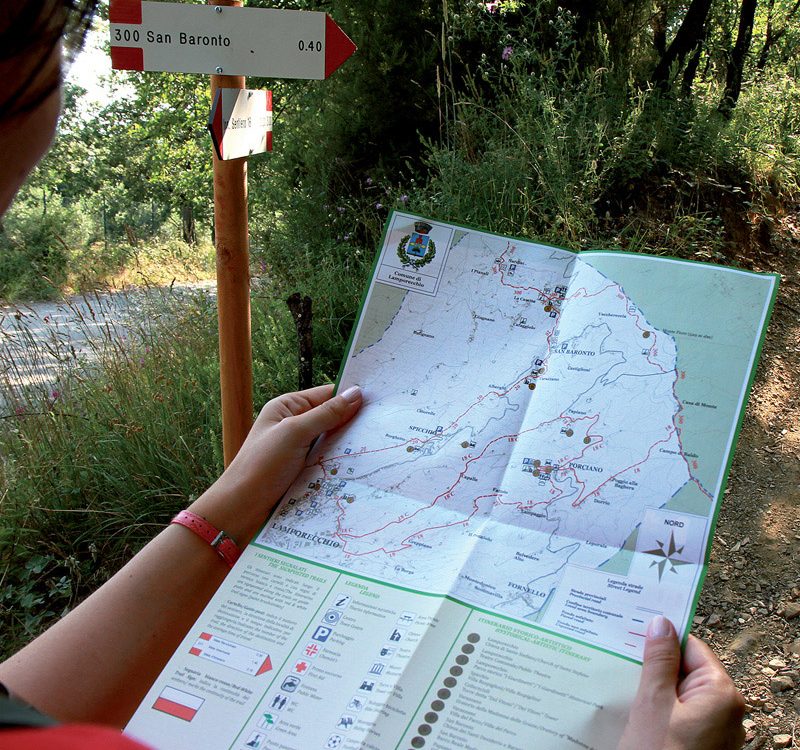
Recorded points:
(32, 28)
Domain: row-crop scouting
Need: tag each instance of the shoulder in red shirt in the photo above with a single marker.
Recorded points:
(67, 737)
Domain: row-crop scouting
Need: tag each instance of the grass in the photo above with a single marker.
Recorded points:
(106, 433)
(99, 447)
(149, 263)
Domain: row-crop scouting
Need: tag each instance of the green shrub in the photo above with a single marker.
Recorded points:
(35, 249)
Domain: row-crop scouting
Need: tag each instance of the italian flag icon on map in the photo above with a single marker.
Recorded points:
(178, 703)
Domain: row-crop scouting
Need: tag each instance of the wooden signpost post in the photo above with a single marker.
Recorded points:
(233, 292)
(229, 42)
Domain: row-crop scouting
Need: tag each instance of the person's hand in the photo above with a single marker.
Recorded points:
(276, 447)
(683, 704)
(272, 456)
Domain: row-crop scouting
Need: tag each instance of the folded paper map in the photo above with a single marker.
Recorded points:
(473, 561)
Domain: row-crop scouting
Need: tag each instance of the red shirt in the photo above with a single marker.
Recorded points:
(67, 737)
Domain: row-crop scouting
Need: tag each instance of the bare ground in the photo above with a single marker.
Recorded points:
(749, 611)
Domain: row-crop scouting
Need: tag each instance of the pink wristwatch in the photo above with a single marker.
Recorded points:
(223, 544)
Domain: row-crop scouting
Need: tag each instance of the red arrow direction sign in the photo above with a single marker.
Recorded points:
(225, 40)
(241, 122)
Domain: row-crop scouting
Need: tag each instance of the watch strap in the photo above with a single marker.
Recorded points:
(224, 545)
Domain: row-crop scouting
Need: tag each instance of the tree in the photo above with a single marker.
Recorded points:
(736, 58)
(153, 148)
(687, 39)
(774, 35)
(63, 172)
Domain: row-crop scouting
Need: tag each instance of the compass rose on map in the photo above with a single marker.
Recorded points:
(668, 557)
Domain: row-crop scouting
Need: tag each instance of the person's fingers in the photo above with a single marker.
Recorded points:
(706, 675)
(290, 404)
(697, 654)
(655, 699)
(327, 416)
(662, 661)
(317, 395)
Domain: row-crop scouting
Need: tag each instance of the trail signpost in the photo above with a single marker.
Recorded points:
(241, 123)
(230, 42)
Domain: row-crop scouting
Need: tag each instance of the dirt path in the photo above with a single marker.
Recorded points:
(750, 607)
(37, 338)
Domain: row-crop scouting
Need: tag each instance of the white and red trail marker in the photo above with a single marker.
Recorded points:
(225, 40)
(234, 655)
(178, 703)
(241, 122)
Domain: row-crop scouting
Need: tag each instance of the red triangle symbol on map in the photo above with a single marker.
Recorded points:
(265, 667)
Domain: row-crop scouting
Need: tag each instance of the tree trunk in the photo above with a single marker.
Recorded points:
(733, 77)
(769, 39)
(188, 228)
(691, 70)
(132, 239)
(689, 36)
(659, 26)
(300, 308)
(773, 35)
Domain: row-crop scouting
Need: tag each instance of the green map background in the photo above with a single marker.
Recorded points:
(709, 311)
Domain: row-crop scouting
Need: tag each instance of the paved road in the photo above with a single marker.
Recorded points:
(38, 338)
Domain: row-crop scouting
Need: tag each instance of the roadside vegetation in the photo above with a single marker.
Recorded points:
(661, 127)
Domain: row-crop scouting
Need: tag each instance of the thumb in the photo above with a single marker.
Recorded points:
(329, 415)
(662, 661)
(652, 707)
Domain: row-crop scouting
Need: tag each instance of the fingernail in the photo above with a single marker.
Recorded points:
(352, 394)
(659, 627)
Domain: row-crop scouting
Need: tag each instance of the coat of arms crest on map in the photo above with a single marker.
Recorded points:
(417, 249)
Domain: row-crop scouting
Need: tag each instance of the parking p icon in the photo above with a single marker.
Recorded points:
(321, 634)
